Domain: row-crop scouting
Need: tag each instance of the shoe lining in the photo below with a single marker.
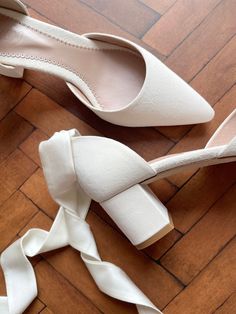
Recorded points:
(115, 77)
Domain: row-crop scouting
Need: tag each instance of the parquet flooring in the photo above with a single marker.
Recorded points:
(191, 270)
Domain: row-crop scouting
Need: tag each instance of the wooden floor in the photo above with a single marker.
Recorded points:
(190, 271)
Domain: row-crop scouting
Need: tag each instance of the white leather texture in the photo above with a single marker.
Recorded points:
(106, 167)
(69, 228)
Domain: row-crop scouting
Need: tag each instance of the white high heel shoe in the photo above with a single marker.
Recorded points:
(116, 177)
(117, 79)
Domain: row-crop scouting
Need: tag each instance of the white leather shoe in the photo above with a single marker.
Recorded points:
(116, 177)
(117, 79)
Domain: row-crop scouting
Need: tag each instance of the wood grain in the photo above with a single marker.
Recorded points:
(160, 6)
(218, 280)
(205, 41)
(183, 17)
(216, 228)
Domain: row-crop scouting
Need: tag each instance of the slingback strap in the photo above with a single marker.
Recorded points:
(69, 228)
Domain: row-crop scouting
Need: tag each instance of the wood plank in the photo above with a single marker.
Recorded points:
(177, 24)
(15, 213)
(57, 90)
(58, 294)
(191, 254)
(46, 311)
(11, 92)
(219, 75)
(159, 248)
(163, 189)
(35, 188)
(14, 171)
(48, 116)
(161, 6)
(205, 41)
(35, 307)
(31, 145)
(228, 306)
(199, 194)
(40, 220)
(174, 133)
(119, 13)
(13, 131)
(208, 290)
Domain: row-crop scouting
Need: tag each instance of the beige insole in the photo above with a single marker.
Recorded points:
(115, 77)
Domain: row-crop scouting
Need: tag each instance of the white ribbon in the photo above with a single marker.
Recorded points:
(69, 228)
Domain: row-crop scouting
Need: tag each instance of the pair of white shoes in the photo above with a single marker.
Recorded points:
(123, 84)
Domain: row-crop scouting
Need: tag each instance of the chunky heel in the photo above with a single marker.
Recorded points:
(140, 215)
(11, 71)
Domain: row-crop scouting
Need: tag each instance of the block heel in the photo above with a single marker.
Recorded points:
(11, 71)
(140, 215)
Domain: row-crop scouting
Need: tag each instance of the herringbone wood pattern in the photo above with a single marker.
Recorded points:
(192, 269)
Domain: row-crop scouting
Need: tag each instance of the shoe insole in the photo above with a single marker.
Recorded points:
(115, 77)
(226, 133)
